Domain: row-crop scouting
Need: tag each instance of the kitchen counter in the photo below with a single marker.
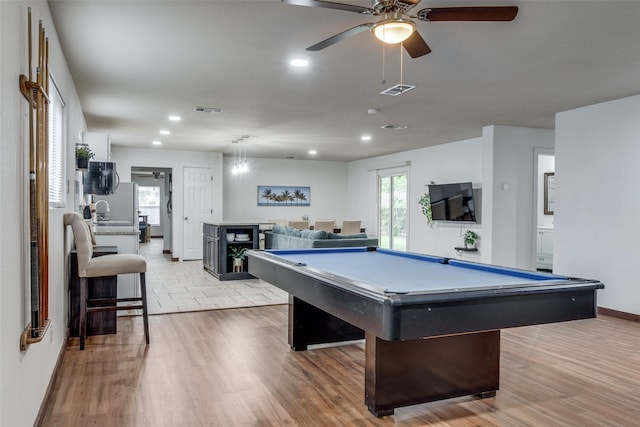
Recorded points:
(126, 239)
(114, 230)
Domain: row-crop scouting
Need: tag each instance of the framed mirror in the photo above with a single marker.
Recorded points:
(549, 187)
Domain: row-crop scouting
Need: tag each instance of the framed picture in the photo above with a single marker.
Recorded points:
(275, 195)
(549, 187)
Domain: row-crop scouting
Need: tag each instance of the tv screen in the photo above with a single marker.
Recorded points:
(452, 202)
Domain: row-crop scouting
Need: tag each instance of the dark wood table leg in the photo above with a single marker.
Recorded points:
(309, 325)
(401, 373)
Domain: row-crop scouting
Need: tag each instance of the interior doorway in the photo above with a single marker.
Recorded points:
(155, 201)
(545, 205)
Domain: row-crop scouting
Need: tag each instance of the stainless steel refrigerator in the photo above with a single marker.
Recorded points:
(120, 208)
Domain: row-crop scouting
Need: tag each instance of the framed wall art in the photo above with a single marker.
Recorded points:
(278, 195)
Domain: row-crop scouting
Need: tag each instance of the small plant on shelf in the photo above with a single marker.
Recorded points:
(83, 155)
(470, 239)
(237, 252)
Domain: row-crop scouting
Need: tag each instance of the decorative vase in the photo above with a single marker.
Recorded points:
(469, 245)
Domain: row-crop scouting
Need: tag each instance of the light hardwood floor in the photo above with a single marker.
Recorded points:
(234, 368)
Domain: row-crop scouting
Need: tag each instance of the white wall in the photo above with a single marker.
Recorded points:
(126, 158)
(511, 179)
(459, 161)
(597, 203)
(500, 164)
(326, 179)
(24, 376)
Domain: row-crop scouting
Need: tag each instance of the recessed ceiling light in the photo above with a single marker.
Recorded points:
(313, 152)
(175, 118)
(299, 62)
(164, 132)
(366, 138)
(157, 143)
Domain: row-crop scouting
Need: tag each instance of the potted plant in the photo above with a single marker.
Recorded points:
(470, 239)
(83, 155)
(238, 254)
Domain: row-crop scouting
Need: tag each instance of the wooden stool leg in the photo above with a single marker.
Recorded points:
(145, 314)
(83, 310)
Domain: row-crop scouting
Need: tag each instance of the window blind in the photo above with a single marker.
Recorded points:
(57, 133)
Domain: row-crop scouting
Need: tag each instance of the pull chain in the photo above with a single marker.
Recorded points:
(383, 80)
(401, 67)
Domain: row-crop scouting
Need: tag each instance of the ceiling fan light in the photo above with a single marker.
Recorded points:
(394, 31)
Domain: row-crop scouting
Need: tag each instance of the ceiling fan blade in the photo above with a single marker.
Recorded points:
(331, 5)
(341, 36)
(416, 46)
(470, 13)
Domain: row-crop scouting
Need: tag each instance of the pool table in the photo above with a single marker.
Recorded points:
(431, 324)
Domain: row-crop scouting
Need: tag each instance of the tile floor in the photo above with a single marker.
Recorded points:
(186, 286)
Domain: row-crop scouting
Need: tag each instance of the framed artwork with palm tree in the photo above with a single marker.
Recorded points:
(278, 195)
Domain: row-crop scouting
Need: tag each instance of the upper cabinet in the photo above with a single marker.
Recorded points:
(100, 144)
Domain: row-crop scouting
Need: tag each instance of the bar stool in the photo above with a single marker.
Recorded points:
(106, 265)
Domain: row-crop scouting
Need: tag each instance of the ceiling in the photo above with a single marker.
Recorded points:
(137, 62)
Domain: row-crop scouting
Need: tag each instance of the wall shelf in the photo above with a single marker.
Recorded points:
(463, 249)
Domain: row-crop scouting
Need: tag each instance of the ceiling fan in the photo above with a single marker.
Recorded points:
(395, 25)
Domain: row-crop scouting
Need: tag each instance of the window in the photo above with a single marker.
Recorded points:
(57, 138)
(392, 209)
(149, 203)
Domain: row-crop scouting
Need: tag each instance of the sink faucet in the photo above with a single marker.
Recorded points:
(105, 214)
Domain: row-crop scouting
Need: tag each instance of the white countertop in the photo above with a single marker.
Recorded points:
(115, 230)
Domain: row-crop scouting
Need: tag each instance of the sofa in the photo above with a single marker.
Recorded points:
(284, 237)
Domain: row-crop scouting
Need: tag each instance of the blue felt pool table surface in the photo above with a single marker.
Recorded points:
(403, 272)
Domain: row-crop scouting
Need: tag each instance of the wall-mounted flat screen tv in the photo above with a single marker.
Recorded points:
(452, 202)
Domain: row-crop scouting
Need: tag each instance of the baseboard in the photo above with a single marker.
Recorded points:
(54, 377)
(619, 314)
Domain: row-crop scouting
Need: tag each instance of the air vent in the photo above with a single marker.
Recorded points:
(394, 127)
(397, 90)
(207, 110)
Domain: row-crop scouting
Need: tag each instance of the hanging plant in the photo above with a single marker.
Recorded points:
(425, 204)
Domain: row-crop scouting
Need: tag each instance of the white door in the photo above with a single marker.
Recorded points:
(198, 189)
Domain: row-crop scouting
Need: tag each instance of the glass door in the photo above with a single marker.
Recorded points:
(392, 210)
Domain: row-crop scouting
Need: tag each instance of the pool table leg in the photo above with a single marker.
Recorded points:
(309, 325)
(401, 373)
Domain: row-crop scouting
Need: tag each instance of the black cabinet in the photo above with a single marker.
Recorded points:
(216, 243)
